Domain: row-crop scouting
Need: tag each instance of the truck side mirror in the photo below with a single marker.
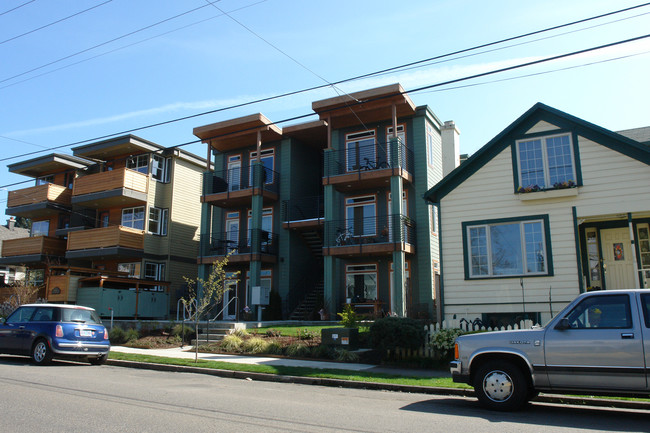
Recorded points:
(563, 324)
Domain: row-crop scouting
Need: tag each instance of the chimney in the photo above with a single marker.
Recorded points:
(450, 147)
(11, 222)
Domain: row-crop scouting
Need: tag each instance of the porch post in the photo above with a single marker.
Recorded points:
(257, 204)
(398, 298)
(637, 270)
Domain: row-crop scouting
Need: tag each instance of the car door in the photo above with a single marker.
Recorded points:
(15, 331)
(602, 349)
(645, 307)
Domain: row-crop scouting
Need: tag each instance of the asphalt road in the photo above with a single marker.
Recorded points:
(68, 397)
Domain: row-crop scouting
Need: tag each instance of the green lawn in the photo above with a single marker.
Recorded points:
(296, 371)
(290, 331)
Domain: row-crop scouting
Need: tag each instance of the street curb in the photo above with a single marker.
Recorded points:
(377, 386)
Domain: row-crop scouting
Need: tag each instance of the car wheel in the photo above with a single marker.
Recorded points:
(41, 352)
(501, 385)
(98, 360)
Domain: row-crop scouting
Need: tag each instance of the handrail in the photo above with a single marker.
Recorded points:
(187, 309)
(236, 299)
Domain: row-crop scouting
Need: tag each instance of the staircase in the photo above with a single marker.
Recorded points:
(305, 309)
(214, 333)
(314, 240)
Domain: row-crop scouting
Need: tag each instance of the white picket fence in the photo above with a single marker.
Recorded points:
(426, 351)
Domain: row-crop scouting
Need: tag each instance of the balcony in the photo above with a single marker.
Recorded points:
(303, 213)
(115, 188)
(39, 201)
(36, 249)
(106, 242)
(259, 245)
(236, 186)
(369, 236)
(368, 166)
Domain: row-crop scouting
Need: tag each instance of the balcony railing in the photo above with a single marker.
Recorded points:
(304, 208)
(110, 180)
(221, 244)
(39, 194)
(114, 236)
(33, 245)
(371, 230)
(368, 158)
(241, 178)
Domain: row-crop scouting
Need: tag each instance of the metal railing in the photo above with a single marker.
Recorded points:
(236, 300)
(241, 178)
(304, 208)
(356, 159)
(257, 241)
(370, 230)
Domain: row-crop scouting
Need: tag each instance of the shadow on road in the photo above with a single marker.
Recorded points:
(542, 414)
(25, 360)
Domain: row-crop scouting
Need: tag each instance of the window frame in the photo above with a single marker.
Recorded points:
(546, 243)
(265, 154)
(161, 221)
(364, 269)
(40, 232)
(132, 209)
(136, 161)
(543, 137)
(357, 140)
(161, 168)
(369, 200)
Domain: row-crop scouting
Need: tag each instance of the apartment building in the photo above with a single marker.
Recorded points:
(309, 210)
(126, 207)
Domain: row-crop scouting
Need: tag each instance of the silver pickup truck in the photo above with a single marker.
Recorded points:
(599, 344)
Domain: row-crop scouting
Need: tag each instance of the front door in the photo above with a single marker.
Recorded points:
(618, 259)
(229, 301)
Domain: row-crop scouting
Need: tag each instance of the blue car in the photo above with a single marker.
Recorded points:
(46, 331)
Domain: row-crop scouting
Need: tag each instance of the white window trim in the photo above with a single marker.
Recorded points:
(144, 216)
(355, 138)
(547, 176)
(162, 216)
(138, 162)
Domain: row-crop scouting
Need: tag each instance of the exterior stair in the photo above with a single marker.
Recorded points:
(213, 333)
(305, 309)
(314, 240)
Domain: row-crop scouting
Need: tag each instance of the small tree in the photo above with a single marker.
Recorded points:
(203, 293)
(22, 292)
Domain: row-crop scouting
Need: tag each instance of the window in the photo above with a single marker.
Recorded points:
(360, 215)
(158, 221)
(608, 311)
(156, 272)
(359, 150)
(161, 168)
(40, 228)
(138, 163)
(400, 152)
(434, 219)
(43, 180)
(267, 157)
(507, 248)
(430, 137)
(133, 269)
(267, 225)
(546, 162)
(133, 217)
(361, 282)
(103, 219)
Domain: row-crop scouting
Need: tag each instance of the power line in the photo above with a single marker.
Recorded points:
(17, 7)
(102, 44)
(383, 71)
(54, 22)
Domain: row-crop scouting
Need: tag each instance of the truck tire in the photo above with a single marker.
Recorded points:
(501, 385)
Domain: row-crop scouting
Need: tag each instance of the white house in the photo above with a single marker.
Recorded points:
(549, 208)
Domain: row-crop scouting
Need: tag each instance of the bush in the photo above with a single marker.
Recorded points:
(392, 332)
(298, 350)
(344, 355)
(255, 345)
(117, 335)
(231, 343)
(177, 331)
(349, 317)
(442, 342)
(131, 335)
(306, 334)
(241, 333)
(323, 352)
(273, 333)
(274, 348)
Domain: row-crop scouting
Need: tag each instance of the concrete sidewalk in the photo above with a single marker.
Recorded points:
(188, 353)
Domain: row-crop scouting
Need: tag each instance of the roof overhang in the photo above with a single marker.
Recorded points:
(237, 133)
(48, 164)
(311, 133)
(372, 105)
(111, 148)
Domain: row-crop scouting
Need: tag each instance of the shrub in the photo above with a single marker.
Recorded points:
(322, 351)
(131, 335)
(117, 335)
(392, 332)
(209, 347)
(177, 331)
(241, 333)
(298, 350)
(349, 317)
(344, 355)
(231, 343)
(274, 348)
(273, 333)
(255, 345)
(442, 342)
(306, 334)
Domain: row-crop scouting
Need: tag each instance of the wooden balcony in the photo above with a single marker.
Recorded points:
(111, 241)
(39, 245)
(38, 201)
(113, 188)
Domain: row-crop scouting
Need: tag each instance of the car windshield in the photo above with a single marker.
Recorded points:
(79, 315)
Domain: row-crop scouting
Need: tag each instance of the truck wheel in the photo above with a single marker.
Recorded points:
(501, 385)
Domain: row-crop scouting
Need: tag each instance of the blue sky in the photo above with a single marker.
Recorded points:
(205, 60)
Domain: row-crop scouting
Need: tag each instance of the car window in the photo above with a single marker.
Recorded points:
(43, 314)
(645, 304)
(79, 315)
(611, 311)
(22, 314)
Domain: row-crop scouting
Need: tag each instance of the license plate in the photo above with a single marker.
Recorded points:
(86, 333)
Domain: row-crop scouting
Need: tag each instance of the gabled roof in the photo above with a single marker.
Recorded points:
(538, 112)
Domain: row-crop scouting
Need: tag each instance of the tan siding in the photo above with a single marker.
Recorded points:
(185, 212)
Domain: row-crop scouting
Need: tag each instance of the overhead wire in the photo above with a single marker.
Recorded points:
(17, 7)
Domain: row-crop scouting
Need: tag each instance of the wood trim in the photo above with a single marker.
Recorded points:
(113, 236)
(33, 245)
(39, 194)
(110, 180)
